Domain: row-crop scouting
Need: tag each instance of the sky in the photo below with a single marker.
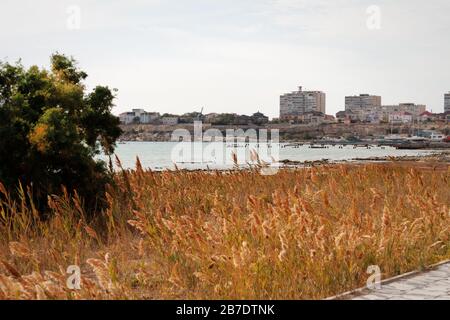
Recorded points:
(239, 56)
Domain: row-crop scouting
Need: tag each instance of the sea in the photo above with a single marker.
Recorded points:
(223, 155)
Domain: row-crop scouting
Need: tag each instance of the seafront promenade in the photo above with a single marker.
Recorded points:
(432, 284)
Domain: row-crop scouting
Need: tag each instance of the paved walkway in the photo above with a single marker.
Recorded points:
(430, 285)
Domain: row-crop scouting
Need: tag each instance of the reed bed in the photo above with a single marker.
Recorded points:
(300, 234)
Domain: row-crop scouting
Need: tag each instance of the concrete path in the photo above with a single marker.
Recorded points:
(429, 285)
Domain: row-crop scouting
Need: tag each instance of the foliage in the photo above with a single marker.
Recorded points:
(225, 119)
(51, 128)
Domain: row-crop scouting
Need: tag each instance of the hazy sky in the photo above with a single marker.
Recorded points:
(240, 55)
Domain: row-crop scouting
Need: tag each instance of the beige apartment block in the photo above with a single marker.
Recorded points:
(299, 102)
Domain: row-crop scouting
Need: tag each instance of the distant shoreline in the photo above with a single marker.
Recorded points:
(438, 158)
(292, 133)
(432, 146)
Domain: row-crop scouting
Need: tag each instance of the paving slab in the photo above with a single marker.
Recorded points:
(428, 285)
(433, 284)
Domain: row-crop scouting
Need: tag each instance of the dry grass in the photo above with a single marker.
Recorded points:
(300, 234)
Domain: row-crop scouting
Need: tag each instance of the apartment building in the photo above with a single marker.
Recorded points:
(363, 101)
(126, 117)
(447, 102)
(363, 107)
(138, 116)
(401, 117)
(299, 102)
(414, 109)
(368, 108)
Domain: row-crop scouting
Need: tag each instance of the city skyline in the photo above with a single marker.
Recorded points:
(234, 56)
(353, 103)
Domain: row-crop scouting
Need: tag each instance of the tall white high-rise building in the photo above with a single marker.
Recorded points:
(299, 102)
(362, 102)
(447, 102)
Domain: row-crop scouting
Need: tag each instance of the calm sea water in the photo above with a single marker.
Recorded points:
(164, 155)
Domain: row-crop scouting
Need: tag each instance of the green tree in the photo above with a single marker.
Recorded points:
(51, 129)
(224, 119)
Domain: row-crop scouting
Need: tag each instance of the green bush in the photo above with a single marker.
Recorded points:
(51, 129)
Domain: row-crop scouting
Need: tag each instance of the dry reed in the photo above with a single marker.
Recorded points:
(300, 234)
